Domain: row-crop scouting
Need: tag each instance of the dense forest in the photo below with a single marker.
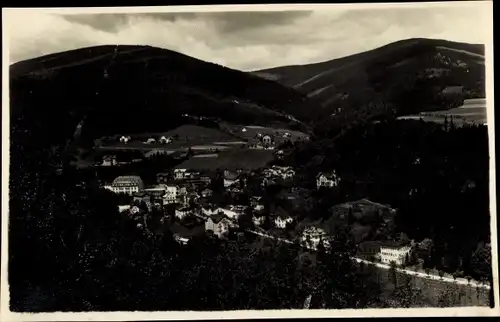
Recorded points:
(436, 176)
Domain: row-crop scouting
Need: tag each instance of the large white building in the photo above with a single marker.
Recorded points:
(127, 184)
(398, 254)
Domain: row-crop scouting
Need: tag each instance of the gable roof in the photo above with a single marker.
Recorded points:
(216, 218)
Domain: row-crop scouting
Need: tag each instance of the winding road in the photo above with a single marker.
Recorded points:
(459, 281)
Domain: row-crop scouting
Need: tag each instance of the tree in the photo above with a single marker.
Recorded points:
(337, 284)
(393, 273)
(245, 221)
(405, 294)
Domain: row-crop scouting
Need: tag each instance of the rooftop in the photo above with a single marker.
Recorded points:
(216, 218)
(393, 244)
(127, 181)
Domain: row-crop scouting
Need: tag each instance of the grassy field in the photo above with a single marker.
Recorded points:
(252, 131)
(183, 137)
(472, 111)
(232, 160)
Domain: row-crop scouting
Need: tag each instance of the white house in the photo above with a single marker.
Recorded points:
(313, 236)
(243, 129)
(180, 174)
(170, 195)
(125, 139)
(165, 140)
(258, 220)
(109, 160)
(218, 224)
(399, 254)
(281, 222)
(123, 208)
(151, 141)
(127, 184)
(328, 180)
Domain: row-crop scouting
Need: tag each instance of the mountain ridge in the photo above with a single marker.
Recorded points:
(110, 85)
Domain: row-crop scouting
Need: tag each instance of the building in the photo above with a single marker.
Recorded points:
(230, 178)
(206, 193)
(127, 184)
(109, 160)
(182, 213)
(397, 253)
(281, 222)
(170, 195)
(312, 236)
(205, 178)
(125, 139)
(141, 197)
(165, 140)
(219, 224)
(123, 208)
(368, 250)
(180, 174)
(156, 192)
(151, 141)
(192, 198)
(181, 240)
(327, 180)
(258, 219)
(243, 129)
(232, 212)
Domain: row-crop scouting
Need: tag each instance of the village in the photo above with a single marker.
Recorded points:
(205, 195)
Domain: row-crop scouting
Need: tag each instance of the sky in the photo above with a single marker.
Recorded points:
(247, 40)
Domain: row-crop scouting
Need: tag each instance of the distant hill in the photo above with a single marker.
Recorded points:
(400, 78)
(132, 89)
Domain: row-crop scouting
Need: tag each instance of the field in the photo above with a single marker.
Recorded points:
(183, 137)
(252, 131)
(232, 160)
(473, 111)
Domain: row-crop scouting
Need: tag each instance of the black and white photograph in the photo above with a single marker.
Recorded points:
(301, 160)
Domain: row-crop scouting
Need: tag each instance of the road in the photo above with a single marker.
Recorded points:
(460, 281)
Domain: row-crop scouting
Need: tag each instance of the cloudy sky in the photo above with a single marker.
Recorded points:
(247, 40)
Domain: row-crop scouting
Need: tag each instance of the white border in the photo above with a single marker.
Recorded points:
(6, 315)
